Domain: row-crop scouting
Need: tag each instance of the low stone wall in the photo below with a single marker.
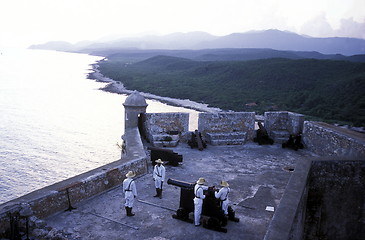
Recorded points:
(159, 128)
(328, 140)
(52, 199)
(280, 125)
(228, 124)
(288, 220)
(324, 199)
(335, 207)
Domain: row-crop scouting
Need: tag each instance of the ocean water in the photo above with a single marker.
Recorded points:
(54, 122)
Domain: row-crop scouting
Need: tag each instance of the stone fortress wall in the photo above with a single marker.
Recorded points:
(324, 198)
(165, 129)
(223, 128)
(168, 129)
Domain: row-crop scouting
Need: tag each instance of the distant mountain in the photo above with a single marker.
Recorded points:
(220, 54)
(171, 41)
(272, 39)
(54, 45)
(281, 40)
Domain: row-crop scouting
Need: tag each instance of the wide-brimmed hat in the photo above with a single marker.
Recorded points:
(158, 161)
(200, 181)
(130, 174)
(224, 184)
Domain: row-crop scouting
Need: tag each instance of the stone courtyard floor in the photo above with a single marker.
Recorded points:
(257, 176)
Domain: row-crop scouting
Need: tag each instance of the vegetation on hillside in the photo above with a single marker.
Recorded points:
(325, 89)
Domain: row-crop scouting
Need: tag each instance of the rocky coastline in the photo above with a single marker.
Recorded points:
(117, 87)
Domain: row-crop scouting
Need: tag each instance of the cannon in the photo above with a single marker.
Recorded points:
(262, 137)
(294, 142)
(196, 141)
(166, 155)
(211, 211)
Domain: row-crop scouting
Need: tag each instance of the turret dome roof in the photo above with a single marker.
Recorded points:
(135, 99)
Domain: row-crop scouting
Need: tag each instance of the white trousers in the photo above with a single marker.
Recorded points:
(198, 205)
(129, 199)
(158, 183)
(225, 206)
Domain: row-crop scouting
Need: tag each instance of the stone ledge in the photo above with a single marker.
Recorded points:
(281, 225)
(165, 143)
(228, 142)
(233, 138)
(165, 140)
(280, 136)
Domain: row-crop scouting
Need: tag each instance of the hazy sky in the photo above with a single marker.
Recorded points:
(26, 22)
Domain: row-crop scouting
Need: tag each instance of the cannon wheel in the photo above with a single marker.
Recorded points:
(214, 224)
(182, 214)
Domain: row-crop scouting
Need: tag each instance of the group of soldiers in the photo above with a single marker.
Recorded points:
(159, 171)
(130, 190)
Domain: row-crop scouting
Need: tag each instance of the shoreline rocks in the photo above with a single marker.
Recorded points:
(117, 87)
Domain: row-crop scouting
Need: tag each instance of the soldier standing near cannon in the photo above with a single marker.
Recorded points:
(130, 192)
(198, 200)
(159, 177)
(222, 195)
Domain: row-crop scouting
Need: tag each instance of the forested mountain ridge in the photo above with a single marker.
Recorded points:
(271, 38)
(223, 54)
(326, 89)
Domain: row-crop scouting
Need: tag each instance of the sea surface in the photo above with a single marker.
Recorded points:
(54, 122)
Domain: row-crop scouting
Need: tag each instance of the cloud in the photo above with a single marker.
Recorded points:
(320, 27)
(24, 22)
(317, 27)
(350, 28)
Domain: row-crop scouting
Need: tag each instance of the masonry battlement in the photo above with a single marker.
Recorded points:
(169, 129)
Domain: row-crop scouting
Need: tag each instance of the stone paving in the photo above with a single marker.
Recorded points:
(257, 175)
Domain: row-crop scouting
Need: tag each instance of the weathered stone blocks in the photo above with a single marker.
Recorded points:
(280, 125)
(165, 129)
(227, 128)
(328, 140)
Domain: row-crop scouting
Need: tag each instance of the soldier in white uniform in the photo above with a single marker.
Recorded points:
(159, 177)
(222, 195)
(130, 192)
(198, 200)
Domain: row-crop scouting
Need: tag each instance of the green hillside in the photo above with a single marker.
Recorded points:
(325, 89)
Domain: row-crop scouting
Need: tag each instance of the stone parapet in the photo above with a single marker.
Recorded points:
(165, 140)
(165, 129)
(54, 198)
(285, 123)
(323, 200)
(226, 127)
(234, 138)
(328, 140)
(288, 220)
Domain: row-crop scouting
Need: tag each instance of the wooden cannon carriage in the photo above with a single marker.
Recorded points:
(262, 137)
(211, 211)
(166, 155)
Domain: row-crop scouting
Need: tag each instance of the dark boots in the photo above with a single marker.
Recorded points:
(129, 211)
(158, 193)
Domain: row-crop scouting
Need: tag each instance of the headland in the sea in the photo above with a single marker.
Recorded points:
(118, 87)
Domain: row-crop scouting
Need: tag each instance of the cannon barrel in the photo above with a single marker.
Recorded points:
(165, 155)
(181, 184)
(211, 206)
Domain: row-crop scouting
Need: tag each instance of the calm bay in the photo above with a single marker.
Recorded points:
(54, 122)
